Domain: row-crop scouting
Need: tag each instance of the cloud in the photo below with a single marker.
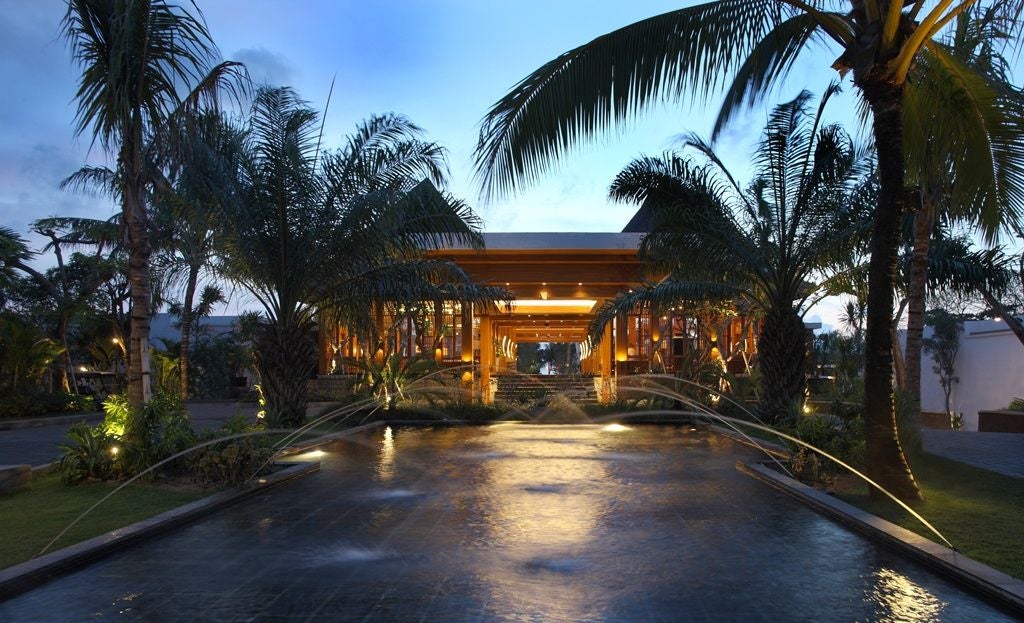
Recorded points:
(266, 67)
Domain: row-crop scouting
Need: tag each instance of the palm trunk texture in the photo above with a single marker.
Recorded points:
(886, 463)
(186, 332)
(140, 251)
(783, 350)
(285, 355)
(923, 225)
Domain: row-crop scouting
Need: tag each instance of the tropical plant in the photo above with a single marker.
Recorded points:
(389, 378)
(25, 354)
(142, 62)
(978, 178)
(768, 244)
(185, 213)
(88, 454)
(892, 50)
(944, 345)
(335, 233)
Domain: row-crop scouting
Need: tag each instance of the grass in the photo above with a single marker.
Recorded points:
(32, 517)
(977, 510)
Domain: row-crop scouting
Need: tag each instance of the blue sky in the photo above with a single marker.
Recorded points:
(442, 63)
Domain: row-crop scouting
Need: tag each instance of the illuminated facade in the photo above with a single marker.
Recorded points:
(559, 281)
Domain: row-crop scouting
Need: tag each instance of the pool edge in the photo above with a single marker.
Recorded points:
(32, 573)
(992, 583)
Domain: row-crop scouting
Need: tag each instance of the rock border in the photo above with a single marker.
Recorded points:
(997, 586)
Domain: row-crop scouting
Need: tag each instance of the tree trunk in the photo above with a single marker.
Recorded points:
(783, 355)
(899, 373)
(186, 330)
(65, 366)
(997, 307)
(285, 355)
(886, 463)
(139, 251)
(924, 222)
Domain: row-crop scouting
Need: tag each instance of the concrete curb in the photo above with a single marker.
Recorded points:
(56, 420)
(28, 575)
(995, 585)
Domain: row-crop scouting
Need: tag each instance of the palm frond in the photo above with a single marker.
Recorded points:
(609, 80)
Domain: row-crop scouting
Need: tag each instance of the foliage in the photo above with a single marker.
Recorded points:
(390, 379)
(89, 454)
(215, 360)
(340, 232)
(1017, 404)
(232, 462)
(843, 438)
(774, 246)
(842, 356)
(39, 403)
(943, 345)
(25, 354)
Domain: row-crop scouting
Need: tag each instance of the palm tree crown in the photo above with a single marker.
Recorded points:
(772, 243)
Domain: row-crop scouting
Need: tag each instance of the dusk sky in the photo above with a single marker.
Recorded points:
(441, 63)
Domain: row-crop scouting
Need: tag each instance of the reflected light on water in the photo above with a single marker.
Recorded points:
(386, 462)
(900, 599)
(615, 428)
(545, 502)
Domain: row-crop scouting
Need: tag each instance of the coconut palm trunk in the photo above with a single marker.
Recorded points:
(186, 330)
(924, 222)
(886, 463)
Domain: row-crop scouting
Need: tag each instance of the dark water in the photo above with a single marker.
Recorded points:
(511, 523)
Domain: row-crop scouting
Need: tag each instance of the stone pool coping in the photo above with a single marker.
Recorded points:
(30, 574)
(1004, 589)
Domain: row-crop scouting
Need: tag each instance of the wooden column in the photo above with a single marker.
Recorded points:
(467, 333)
(621, 337)
(605, 363)
(486, 359)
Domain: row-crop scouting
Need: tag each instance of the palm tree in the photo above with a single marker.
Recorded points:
(750, 45)
(983, 185)
(768, 244)
(307, 232)
(142, 61)
(186, 212)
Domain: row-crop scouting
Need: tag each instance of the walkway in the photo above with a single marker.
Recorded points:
(38, 445)
(997, 452)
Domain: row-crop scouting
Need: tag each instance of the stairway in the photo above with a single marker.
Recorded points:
(526, 389)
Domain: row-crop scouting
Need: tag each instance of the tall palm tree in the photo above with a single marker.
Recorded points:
(983, 185)
(186, 210)
(337, 232)
(141, 61)
(769, 243)
(749, 46)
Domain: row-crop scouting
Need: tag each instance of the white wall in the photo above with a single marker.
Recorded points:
(990, 365)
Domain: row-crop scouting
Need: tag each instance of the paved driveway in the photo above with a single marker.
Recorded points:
(997, 452)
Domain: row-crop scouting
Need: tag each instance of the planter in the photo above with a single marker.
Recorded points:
(1001, 421)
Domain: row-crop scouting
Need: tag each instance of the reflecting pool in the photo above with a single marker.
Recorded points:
(513, 522)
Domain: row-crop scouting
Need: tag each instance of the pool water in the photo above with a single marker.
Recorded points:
(513, 522)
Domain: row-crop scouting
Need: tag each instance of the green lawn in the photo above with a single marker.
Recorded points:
(979, 511)
(32, 517)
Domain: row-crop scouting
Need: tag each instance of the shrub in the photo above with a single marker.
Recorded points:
(1017, 404)
(89, 455)
(232, 462)
(39, 403)
(843, 438)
